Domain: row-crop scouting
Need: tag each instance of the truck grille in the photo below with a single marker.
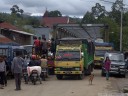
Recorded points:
(67, 69)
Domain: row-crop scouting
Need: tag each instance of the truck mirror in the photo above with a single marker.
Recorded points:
(50, 54)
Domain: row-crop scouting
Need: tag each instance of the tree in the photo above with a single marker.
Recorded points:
(116, 8)
(113, 31)
(16, 11)
(55, 13)
(125, 19)
(88, 18)
(98, 11)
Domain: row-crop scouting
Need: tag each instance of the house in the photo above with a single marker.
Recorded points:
(4, 40)
(50, 21)
(14, 34)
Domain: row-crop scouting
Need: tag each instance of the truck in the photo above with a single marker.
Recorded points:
(10, 52)
(74, 57)
(100, 50)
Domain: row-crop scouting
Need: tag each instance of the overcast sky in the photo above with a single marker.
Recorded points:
(66, 7)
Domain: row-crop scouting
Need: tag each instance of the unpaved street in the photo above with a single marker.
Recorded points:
(66, 87)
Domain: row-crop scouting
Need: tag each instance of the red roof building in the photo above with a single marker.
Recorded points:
(13, 34)
(4, 39)
(50, 21)
(6, 25)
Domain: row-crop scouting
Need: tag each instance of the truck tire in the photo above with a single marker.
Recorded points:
(59, 77)
(124, 75)
(80, 76)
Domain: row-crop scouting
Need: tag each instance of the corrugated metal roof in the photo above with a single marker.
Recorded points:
(11, 27)
(22, 32)
(86, 31)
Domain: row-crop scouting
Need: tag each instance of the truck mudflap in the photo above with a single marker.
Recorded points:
(68, 72)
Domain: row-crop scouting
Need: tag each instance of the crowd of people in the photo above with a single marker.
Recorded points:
(39, 59)
(19, 63)
(42, 46)
(17, 67)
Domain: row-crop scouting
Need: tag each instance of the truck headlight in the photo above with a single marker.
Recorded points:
(77, 69)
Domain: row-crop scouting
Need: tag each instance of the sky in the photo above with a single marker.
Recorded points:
(74, 8)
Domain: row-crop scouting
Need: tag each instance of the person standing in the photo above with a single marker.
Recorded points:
(2, 72)
(45, 47)
(107, 64)
(17, 70)
(6, 69)
(37, 46)
(53, 46)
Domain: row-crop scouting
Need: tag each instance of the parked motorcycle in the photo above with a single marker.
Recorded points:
(44, 74)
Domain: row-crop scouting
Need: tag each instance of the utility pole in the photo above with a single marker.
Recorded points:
(121, 21)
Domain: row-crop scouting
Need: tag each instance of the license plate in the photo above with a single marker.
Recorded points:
(68, 72)
(97, 64)
(114, 68)
(34, 75)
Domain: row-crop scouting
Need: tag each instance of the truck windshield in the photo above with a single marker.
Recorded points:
(68, 56)
(116, 57)
(22, 51)
(3, 51)
(100, 52)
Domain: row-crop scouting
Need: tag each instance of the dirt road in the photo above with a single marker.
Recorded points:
(66, 87)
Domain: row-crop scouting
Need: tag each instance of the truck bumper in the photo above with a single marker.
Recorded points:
(68, 72)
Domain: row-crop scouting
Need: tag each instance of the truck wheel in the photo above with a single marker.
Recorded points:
(80, 76)
(124, 75)
(59, 77)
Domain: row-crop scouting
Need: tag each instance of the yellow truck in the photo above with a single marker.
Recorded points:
(100, 50)
(74, 56)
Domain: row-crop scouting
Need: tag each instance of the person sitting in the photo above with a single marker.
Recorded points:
(33, 65)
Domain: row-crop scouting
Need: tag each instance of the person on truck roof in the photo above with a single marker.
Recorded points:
(37, 46)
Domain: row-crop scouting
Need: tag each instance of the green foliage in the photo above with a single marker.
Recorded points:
(98, 14)
(88, 18)
(16, 11)
(125, 38)
(98, 11)
(113, 31)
